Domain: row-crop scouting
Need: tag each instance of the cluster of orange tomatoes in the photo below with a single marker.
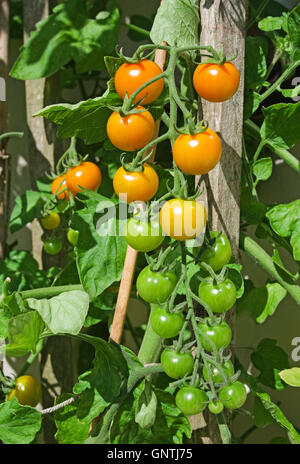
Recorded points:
(194, 154)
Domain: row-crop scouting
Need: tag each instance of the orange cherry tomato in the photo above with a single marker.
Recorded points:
(86, 175)
(216, 82)
(130, 132)
(197, 154)
(58, 185)
(138, 186)
(182, 219)
(130, 76)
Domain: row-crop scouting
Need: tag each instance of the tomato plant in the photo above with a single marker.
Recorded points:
(198, 153)
(218, 253)
(182, 219)
(216, 82)
(130, 132)
(191, 400)
(194, 174)
(166, 324)
(233, 396)
(155, 286)
(219, 297)
(27, 390)
(218, 335)
(136, 186)
(52, 246)
(177, 365)
(86, 175)
(130, 76)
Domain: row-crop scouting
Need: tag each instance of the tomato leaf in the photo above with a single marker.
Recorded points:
(176, 23)
(262, 168)
(24, 332)
(86, 119)
(285, 221)
(255, 64)
(18, 424)
(68, 34)
(64, 313)
(269, 359)
(291, 376)
(145, 412)
(70, 430)
(101, 246)
(27, 208)
(262, 417)
(281, 124)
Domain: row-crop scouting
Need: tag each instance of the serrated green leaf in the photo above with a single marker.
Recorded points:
(70, 430)
(24, 332)
(145, 412)
(181, 26)
(270, 23)
(27, 208)
(64, 313)
(18, 424)
(256, 63)
(281, 124)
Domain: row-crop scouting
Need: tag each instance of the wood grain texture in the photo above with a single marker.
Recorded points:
(222, 27)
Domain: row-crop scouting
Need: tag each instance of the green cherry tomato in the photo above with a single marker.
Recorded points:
(27, 391)
(155, 286)
(191, 400)
(218, 297)
(143, 236)
(218, 334)
(233, 396)
(52, 246)
(51, 221)
(216, 407)
(216, 374)
(177, 365)
(165, 324)
(72, 236)
(219, 253)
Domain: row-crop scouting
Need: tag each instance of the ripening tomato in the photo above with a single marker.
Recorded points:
(191, 400)
(27, 391)
(216, 82)
(134, 185)
(58, 185)
(199, 153)
(182, 219)
(86, 175)
(130, 76)
(130, 132)
(51, 221)
(142, 235)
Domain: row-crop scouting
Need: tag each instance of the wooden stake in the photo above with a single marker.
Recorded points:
(131, 254)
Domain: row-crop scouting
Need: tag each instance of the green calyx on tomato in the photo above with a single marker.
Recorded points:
(27, 391)
(155, 286)
(72, 236)
(177, 365)
(143, 236)
(191, 400)
(166, 324)
(219, 297)
(52, 246)
(216, 373)
(218, 335)
(233, 396)
(218, 253)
